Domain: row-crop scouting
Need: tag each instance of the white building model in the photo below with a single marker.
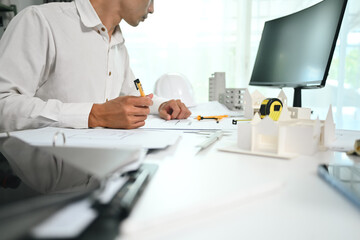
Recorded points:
(293, 134)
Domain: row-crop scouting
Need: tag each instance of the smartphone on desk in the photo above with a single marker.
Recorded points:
(344, 175)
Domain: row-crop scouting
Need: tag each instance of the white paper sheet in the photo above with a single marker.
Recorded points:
(154, 122)
(68, 222)
(206, 109)
(110, 138)
(112, 187)
(100, 162)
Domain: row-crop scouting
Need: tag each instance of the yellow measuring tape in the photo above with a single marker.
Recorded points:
(356, 150)
(271, 107)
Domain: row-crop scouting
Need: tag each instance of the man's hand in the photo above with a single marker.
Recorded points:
(174, 109)
(123, 112)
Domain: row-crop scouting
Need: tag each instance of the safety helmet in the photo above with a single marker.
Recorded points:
(175, 86)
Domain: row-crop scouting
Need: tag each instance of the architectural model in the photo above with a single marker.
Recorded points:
(252, 103)
(293, 134)
(286, 137)
(216, 85)
(232, 98)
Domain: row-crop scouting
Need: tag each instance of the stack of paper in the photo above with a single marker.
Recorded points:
(109, 138)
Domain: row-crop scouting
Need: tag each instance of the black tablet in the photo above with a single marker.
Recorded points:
(344, 175)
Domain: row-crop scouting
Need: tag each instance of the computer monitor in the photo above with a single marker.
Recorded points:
(296, 50)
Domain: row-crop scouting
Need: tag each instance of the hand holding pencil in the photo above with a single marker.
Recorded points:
(173, 109)
(126, 112)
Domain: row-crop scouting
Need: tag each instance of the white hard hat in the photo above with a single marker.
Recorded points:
(175, 86)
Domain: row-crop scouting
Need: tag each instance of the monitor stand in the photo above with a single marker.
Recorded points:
(297, 97)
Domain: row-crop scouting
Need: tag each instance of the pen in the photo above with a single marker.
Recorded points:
(235, 121)
(213, 138)
(139, 87)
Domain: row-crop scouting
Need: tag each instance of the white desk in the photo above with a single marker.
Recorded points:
(299, 206)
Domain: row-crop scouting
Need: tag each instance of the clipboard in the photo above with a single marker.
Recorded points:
(114, 211)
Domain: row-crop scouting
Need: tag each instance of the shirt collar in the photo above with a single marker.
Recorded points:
(90, 19)
(87, 13)
(117, 35)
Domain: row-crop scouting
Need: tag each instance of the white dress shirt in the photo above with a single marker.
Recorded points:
(56, 61)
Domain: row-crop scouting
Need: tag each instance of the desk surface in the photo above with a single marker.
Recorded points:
(219, 195)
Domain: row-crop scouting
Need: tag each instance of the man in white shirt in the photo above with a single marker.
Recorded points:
(66, 65)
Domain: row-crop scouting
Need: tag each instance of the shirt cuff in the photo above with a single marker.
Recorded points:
(157, 101)
(75, 115)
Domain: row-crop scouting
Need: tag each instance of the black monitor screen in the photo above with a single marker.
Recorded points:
(296, 50)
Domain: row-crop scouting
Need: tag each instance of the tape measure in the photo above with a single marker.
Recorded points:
(356, 150)
(271, 107)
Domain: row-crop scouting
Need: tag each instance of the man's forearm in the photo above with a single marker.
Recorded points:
(19, 112)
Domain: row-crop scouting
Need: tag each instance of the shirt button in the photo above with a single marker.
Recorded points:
(98, 31)
(107, 99)
(103, 29)
(109, 73)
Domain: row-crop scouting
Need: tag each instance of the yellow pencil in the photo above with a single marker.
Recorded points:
(139, 87)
